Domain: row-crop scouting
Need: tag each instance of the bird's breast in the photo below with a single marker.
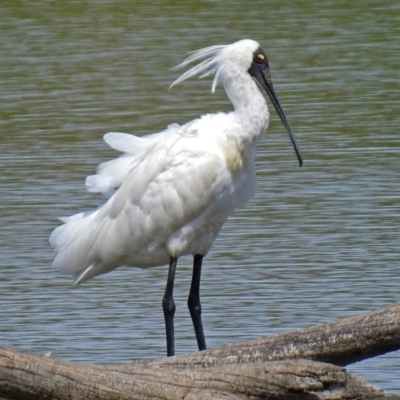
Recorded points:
(235, 154)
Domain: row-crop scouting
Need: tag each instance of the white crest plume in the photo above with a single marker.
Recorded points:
(207, 67)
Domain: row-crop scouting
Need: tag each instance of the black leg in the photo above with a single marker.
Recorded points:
(194, 302)
(169, 307)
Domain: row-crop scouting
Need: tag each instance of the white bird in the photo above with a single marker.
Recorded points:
(171, 192)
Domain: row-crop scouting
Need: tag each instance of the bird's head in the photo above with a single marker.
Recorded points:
(245, 55)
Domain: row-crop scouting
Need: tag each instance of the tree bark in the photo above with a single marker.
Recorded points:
(341, 342)
(272, 367)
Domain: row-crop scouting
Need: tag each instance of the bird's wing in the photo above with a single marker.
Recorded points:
(169, 184)
(111, 174)
(169, 180)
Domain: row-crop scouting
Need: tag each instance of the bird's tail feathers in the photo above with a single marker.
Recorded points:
(72, 240)
(78, 243)
(90, 272)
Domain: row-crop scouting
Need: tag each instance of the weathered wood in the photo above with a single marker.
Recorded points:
(238, 372)
(27, 376)
(341, 342)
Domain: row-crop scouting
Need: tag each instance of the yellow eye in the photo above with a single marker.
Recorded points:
(260, 58)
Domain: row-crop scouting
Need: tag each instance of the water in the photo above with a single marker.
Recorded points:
(316, 244)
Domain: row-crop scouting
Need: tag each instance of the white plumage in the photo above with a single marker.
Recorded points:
(171, 192)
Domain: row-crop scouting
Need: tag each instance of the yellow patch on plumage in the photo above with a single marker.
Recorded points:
(235, 155)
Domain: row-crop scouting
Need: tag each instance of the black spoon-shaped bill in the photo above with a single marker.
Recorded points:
(260, 70)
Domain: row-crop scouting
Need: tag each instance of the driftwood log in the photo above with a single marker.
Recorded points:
(302, 364)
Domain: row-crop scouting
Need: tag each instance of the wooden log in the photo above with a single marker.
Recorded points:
(27, 376)
(341, 342)
(239, 371)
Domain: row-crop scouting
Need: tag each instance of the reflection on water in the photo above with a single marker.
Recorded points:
(316, 244)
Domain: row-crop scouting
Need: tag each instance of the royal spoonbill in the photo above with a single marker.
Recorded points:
(170, 193)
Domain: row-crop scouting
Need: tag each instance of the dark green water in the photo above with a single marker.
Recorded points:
(316, 244)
